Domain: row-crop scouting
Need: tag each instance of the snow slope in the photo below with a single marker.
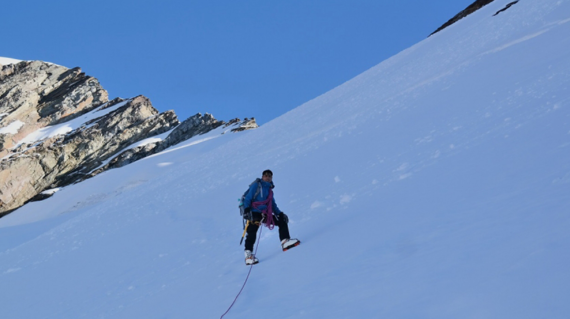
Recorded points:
(6, 61)
(434, 185)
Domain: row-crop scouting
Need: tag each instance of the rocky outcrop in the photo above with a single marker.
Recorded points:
(193, 126)
(510, 4)
(478, 4)
(39, 94)
(246, 124)
(63, 159)
(57, 127)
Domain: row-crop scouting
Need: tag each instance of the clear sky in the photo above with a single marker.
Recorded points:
(229, 58)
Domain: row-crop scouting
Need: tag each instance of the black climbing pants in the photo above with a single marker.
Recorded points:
(252, 231)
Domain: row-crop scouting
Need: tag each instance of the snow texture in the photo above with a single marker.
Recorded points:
(434, 185)
(11, 128)
(51, 191)
(6, 61)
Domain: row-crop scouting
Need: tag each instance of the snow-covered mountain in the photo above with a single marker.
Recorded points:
(434, 185)
(58, 127)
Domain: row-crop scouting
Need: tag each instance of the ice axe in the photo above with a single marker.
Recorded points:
(244, 230)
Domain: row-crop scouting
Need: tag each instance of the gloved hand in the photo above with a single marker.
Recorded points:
(247, 214)
(252, 216)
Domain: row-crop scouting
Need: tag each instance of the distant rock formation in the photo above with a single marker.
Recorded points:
(478, 4)
(193, 126)
(510, 4)
(57, 127)
(39, 94)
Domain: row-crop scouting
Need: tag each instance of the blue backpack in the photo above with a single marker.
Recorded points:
(242, 199)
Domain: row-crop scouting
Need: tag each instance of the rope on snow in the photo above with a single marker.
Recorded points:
(246, 278)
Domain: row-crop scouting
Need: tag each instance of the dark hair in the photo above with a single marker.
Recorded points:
(267, 171)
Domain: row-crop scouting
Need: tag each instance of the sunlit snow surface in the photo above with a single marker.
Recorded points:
(11, 128)
(434, 185)
(6, 61)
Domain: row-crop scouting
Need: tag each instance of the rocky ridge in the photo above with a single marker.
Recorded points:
(478, 4)
(58, 127)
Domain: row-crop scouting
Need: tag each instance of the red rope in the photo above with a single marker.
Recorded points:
(246, 278)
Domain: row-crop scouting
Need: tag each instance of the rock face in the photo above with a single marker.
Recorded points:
(193, 126)
(40, 94)
(478, 4)
(57, 127)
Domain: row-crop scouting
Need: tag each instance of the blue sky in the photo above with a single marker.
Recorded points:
(228, 58)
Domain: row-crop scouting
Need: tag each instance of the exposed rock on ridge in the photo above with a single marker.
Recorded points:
(478, 4)
(40, 94)
(82, 134)
(195, 125)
